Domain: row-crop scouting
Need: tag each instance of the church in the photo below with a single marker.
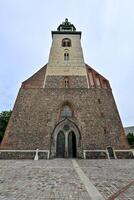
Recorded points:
(66, 107)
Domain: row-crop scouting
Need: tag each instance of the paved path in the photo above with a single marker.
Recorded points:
(60, 180)
(110, 177)
(94, 194)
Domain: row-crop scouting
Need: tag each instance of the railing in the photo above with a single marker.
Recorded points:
(107, 153)
(29, 151)
(129, 150)
(38, 150)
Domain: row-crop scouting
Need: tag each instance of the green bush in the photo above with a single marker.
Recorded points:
(130, 138)
(4, 118)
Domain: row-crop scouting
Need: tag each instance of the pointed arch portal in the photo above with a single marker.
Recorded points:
(66, 139)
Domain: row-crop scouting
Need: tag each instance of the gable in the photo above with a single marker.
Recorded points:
(96, 80)
(37, 80)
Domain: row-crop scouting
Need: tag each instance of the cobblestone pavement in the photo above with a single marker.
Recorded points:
(110, 176)
(57, 179)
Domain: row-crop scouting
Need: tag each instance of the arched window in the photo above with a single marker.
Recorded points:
(66, 82)
(66, 42)
(66, 111)
(111, 152)
(66, 56)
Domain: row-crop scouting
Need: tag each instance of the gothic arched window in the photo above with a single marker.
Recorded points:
(66, 42)
(66, 82)
(66, 56)
(66, 111)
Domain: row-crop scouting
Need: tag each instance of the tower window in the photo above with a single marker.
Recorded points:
(66, 111)
(66, 42)
(66, 82)
(66, 56)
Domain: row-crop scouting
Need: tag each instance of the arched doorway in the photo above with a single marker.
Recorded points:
(72, 149)
(60, 149)
(111, 152)
(66, 140)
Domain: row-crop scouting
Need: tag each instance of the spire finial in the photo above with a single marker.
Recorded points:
(66, 26)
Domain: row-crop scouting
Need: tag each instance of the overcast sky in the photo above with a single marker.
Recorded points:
(107, 39)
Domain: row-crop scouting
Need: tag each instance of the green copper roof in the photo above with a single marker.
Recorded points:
(66, 26)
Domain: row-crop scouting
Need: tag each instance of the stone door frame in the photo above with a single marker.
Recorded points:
(60, 127)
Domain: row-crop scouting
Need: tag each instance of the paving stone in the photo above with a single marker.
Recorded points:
(109, 176)
(54, 179)
(57, 179)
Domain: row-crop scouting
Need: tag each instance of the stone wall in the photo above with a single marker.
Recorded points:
(17, 155)
(56, 56)
(37, 80)
(37, 111)
(96, 155)
(125, 155)
(22, 155)
(58, 82)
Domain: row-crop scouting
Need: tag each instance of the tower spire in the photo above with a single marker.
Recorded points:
(66, 26)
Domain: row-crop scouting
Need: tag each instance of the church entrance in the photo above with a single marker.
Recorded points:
(70, 144)
(66, 140)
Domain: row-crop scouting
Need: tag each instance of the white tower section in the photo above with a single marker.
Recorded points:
(66, 55)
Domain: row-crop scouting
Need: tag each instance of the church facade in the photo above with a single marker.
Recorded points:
(66, 107)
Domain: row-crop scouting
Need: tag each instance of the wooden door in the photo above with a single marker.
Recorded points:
(60, 145)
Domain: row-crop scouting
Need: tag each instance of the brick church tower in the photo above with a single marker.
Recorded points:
(66, 107)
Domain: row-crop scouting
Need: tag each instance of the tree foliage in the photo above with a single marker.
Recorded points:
(130, 138)
(4, 118)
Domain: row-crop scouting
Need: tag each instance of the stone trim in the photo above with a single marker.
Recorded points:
(93, 192)
(66, 32)
(60, 127)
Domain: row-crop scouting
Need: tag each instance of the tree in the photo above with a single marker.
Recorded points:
(4, 118)
(130, 137)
